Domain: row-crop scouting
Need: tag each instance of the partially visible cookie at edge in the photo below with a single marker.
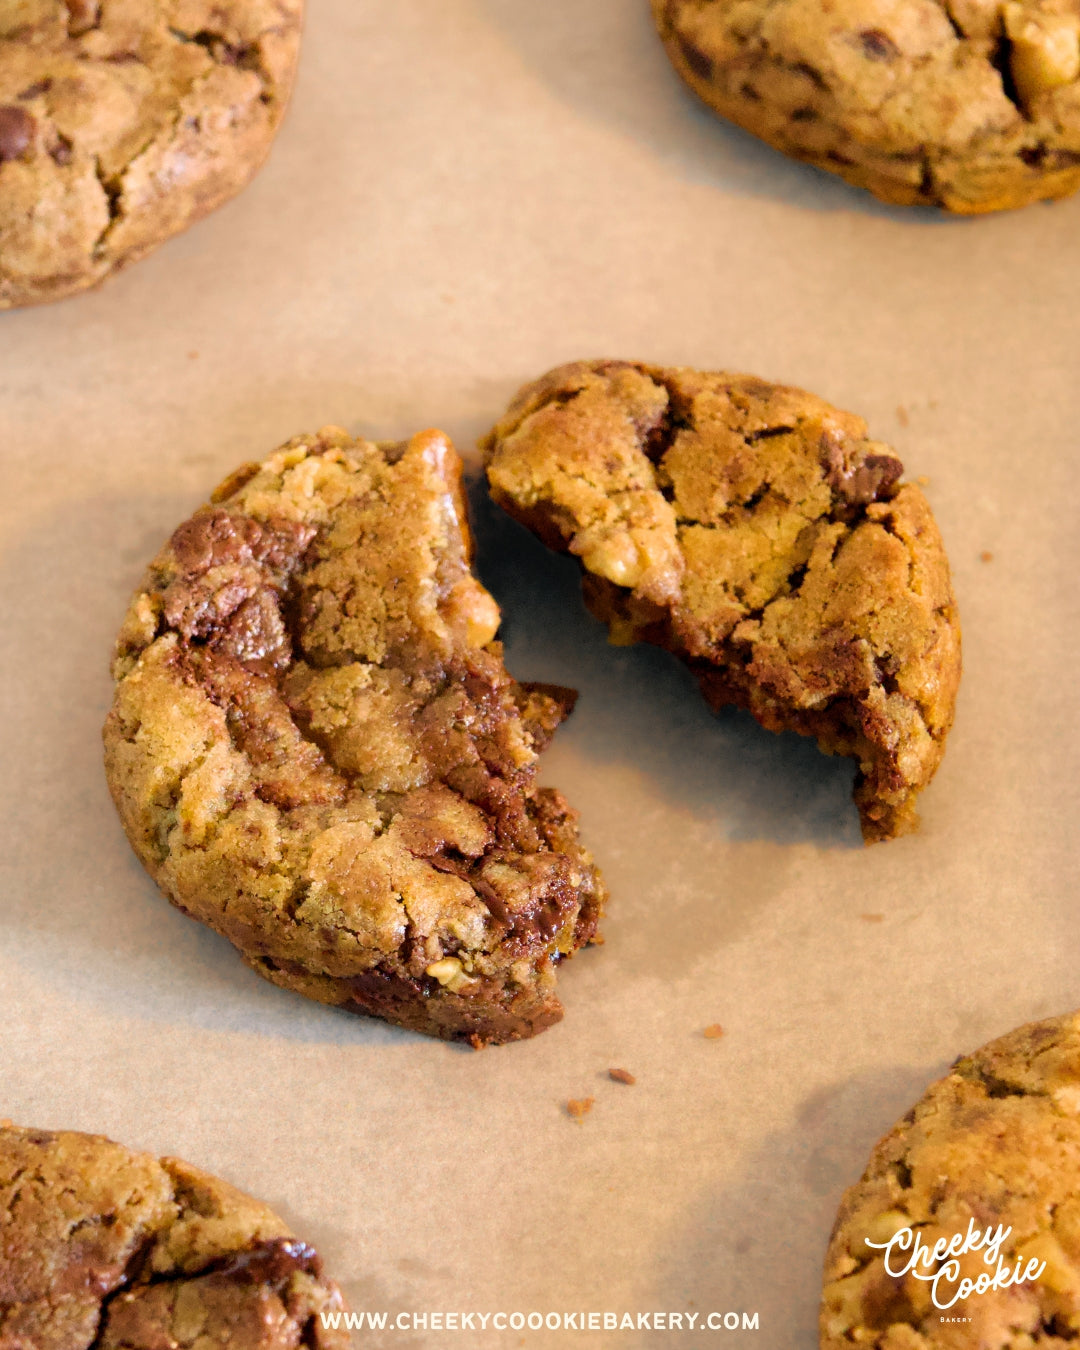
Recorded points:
(124, 121)
(315, 748)
(102, 1248)
(758, 533)
(973, 105)
(994, 1147)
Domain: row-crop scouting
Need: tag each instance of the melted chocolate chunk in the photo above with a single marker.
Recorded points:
(273, 1261)
(232, 571)
(16, 132)
(856, 477)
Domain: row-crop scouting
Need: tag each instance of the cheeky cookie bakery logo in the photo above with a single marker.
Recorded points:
(905, 1252)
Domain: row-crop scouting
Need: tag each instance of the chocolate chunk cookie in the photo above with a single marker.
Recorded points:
(315, 748)
(104, 1248)
(973, 105)
(757, 533)
(989, 1162)
(123, 121)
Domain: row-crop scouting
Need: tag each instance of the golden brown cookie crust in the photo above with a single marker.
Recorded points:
(759, 534)
(315, 748)
(995, 1143)
(105, 1248)
(124, 121)
(973, 105)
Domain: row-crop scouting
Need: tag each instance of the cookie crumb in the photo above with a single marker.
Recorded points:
(873, 918)
(986, 556)
(902, 416)
(922, 480)
(193, 356)
(713, 1032)
(621, 1076)
(577, 1108)
(597, 940)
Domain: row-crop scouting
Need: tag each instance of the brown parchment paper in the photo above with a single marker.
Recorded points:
(465, 193)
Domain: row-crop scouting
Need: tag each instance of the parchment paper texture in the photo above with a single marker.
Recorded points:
(465, 193)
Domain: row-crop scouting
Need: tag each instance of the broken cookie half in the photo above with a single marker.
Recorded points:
(757, 533)
(315, 748)
(106, 1249)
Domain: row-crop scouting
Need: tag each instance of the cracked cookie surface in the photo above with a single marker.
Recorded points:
(995, 1143)
(756, 532)
(105, 1248)
(124, 121)
(973, 105)
(315, 748)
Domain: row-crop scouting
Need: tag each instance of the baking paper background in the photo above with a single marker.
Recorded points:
(465, 193)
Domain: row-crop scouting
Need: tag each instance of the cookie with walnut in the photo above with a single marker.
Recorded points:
(105, 1249)
(759, 534)
(315, 748)
(988, 1161)
(122, 123)
(973, 105)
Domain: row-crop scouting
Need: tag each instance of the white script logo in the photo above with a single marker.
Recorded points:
(989, 1243)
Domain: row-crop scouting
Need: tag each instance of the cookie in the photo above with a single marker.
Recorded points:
(315, 748)
(124, 121)
(105, 1248)
(989, 1163)
(973, 105)
(757, 533)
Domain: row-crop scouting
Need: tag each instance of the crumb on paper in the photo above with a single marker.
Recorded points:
(713, 1031)
(986, 556)
(577, 1108)
(621, 1076)
(873, 918)
(902, 416)
(922, 480)
(597, 940)
(193, 356)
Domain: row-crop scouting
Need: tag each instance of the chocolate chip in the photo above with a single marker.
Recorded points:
(698, 61)
(878, 46)
(61, 151)
(855, 476)
(814, 76)
(82, 16)
(767, 433)
(16, 131)
(36, 89)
